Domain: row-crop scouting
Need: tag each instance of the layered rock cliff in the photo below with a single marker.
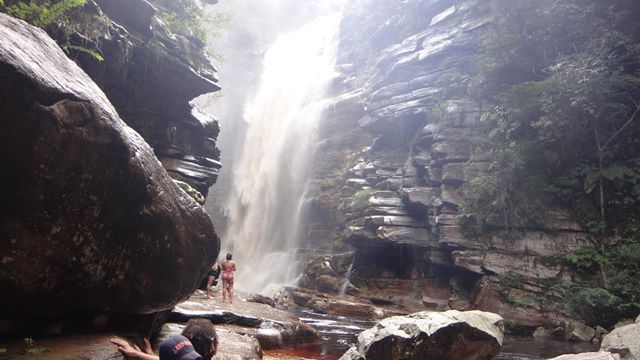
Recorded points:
(154, 65)
(393, 186)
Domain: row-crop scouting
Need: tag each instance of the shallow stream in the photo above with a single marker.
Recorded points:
(339, 333)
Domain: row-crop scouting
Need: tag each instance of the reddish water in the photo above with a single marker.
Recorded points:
(340, 333)
(297, 354)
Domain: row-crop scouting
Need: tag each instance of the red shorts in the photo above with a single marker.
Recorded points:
(227, 275)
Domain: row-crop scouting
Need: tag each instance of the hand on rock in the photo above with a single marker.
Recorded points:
(134, 352)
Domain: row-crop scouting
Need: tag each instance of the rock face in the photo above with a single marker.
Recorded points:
(90, 219)
(452, 334)
(397, 198)
(153, 66)
(624, 340)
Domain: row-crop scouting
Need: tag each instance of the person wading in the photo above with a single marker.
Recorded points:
(228, 267)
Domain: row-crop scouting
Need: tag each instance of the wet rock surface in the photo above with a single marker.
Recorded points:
(447, 335)
(90, 219)
(273, 328)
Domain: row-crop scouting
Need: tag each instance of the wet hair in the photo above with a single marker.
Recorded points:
(229, 256)
(203, 336)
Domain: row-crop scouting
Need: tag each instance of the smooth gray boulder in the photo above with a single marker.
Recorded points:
(624, 340)
(469, 335)
(600, 355)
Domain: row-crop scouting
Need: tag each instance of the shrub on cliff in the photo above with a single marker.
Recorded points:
(607, 286)
(565, 120)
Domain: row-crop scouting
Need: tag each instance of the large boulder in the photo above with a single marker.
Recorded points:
(624, 340)
(600, 355)
(470, 335)
(90, 221)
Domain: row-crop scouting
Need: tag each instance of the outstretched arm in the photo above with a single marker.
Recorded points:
(133, 352)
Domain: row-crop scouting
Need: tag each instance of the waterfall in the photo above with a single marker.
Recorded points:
(270, 175)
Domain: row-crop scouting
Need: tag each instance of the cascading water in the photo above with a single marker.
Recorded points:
(270, 175)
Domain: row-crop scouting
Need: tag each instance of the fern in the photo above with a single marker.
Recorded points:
(44, 14)
(93, 54)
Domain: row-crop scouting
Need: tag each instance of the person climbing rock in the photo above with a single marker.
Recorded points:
(228, 267)
(214, 274)
(203, 336)
(175, 347)
(178, 347)
(199, 340)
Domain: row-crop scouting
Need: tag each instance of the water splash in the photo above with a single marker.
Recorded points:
(270, 176)
(347, 279)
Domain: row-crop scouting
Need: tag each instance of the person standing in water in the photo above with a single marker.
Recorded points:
(214, 273)
(228, 267)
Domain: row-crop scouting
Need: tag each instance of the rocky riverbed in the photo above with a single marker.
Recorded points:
(251, 330)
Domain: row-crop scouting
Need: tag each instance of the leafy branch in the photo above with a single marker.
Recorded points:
(41, 14)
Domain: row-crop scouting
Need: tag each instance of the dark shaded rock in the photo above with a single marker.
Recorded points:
(182, 315)
(431, 335)
(150, 73)
(421, 199)
(90, 219)
(578, 331)
(327, 273)
(261, 299)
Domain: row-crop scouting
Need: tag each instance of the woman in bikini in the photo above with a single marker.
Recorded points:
(228, 267)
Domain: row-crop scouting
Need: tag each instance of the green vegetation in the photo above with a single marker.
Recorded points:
(29, 347)
(94, 54)
(511, 281)
(560, 84)
(40, 12)
(607, 287)
(565, 120)
(193, 23)
(360, 200)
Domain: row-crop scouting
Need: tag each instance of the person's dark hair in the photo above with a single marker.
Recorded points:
(203, 336)
(228, 256)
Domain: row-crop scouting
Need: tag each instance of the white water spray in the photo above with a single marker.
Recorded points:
(271, 173)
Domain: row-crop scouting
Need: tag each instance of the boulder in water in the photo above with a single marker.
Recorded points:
(600, 355)
(624, 340)
(469, 335)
